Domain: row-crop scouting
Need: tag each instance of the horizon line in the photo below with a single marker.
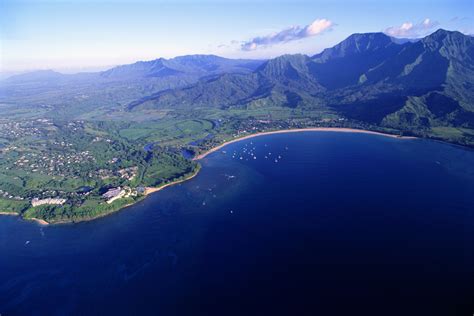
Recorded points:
(104, 67)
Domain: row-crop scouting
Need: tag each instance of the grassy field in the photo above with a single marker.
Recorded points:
(12, 206)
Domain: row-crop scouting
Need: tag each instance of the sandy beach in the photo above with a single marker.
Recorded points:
(9, 213)
(150, 190)
(39, 221)
(313, 129)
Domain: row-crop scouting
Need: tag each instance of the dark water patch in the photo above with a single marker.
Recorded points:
(327, 224)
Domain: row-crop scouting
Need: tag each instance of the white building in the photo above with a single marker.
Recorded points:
(48, 201)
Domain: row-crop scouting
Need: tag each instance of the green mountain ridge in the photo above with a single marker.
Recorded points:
(197, 65)
(72, 95)
(367, 77)
(408, 85)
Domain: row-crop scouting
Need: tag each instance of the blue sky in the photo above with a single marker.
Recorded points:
(68, 35)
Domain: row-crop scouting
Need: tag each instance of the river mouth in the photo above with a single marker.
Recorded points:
(328, 223)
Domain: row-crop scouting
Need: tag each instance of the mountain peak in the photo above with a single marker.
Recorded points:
(356, 44)
(452, 42)
(46, 74)
(441, 34)
(371, 35)
(198, 57)
(366, 41)
(283, 62)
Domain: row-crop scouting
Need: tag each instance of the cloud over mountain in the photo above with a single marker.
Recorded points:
(409, 29)
(292, 33)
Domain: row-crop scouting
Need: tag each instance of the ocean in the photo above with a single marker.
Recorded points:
(311, 223)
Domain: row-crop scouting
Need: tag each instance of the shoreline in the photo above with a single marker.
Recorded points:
(33, 219)
(38, 220)
(148, 191)
(299, 130)
(9, 213)
(151, 190)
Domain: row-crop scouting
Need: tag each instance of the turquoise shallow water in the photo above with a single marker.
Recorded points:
(341, 223)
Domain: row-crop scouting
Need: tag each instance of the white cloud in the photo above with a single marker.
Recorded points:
(410, 30)
(292, 33)
(317, 27)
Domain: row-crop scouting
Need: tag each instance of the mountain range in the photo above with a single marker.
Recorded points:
(370, 77)
(75, 94)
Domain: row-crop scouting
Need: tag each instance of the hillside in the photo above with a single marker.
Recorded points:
(373, 78)
(74, 95)
(428, 83)
(422, 86)
(190, 65)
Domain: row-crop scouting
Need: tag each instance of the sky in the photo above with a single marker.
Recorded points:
(70, 36)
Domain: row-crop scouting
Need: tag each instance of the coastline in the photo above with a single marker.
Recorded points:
(151, 190)
(9, 213)
(298, 130)
(34, 219)
(38, 220)
(148, 191)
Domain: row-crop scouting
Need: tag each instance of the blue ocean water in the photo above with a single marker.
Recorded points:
(328, 224)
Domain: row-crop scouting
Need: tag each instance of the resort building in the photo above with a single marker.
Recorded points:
(49, 201)
(114, 194)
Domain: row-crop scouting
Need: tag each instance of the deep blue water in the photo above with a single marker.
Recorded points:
(342, 224)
